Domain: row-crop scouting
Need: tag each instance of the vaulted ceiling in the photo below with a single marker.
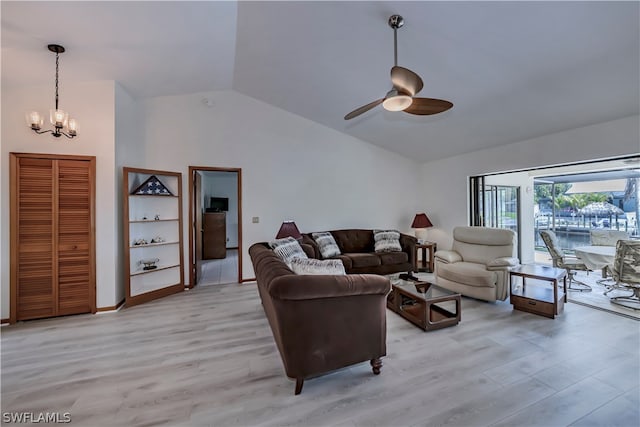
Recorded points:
(514, 70)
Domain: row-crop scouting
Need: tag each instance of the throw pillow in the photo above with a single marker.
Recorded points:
(386, 241)
(326, 244)
(287, 249)
(317, 266)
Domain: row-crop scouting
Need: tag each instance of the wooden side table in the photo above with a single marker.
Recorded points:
(538, 299)
(422, 247)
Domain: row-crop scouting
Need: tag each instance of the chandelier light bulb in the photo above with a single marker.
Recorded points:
(34, 120)
(73, 127)
(58, 118)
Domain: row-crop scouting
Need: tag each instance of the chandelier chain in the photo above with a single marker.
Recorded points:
(57, 65)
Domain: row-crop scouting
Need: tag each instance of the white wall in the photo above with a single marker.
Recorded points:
(129, 151)
(292, 168)
(92, 104)
(448, 204)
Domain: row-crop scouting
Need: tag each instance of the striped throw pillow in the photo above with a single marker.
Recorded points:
(386, 241)
(317, 266)
(326, 244)
(287, 249)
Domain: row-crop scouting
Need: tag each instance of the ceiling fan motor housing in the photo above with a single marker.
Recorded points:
(396, 21)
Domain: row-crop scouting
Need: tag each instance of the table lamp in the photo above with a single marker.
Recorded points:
(289, 229)
(421, 222)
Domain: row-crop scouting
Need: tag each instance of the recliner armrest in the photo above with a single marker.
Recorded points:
(448, 256)
(306, 287)
(502, 263)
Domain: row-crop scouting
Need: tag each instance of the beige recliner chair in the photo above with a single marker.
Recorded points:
(478, 264)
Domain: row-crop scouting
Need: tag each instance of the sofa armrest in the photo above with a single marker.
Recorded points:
(448, 257)
(306, 287)
(502, 263)
(408, 244)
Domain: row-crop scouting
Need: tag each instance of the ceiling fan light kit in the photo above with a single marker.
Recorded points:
(406, 84)
(396, 101)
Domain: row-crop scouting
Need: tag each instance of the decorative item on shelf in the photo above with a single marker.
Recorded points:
(149, 264)
(157, 217)
(152, 187)
(139, 242)
(421, 222)
(157, 239)
(289, 229)
(62, 124)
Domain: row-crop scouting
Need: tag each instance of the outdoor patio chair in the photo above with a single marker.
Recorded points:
(607, 237)
(626, 273)
(561, 260)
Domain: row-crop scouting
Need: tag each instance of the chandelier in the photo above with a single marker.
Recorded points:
(62, 124)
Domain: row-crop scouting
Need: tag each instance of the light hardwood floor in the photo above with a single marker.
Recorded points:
(220, 271)
(207, 357)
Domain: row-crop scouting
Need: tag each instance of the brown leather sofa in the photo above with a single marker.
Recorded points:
(321, 323)
(358, 254)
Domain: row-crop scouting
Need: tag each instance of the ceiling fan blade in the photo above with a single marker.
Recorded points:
(427, 106)
(363, 109)
(405, 79)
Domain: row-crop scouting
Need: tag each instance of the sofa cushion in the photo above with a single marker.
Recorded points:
(354, 241)
(386, 241)
(468, 273)
(391, 258)
(348, 264)
(364, 260)
(326, 244)
(317, 266)
(287, 249)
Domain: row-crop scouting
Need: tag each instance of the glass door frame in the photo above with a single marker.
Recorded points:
(479, 203)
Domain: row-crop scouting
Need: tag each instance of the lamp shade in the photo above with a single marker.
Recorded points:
(421, 221)
(289, 229)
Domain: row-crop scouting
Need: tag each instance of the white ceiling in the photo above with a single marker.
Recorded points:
(514, 70)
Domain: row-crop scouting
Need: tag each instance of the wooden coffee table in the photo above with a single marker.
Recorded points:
(424, 304)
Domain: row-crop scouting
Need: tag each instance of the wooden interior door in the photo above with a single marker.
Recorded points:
(75, 252)
(33, 267)
(52, 235)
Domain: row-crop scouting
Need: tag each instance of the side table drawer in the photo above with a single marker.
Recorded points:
(529, 305)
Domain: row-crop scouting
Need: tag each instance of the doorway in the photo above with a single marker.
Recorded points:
(215, 230)
(495, 205)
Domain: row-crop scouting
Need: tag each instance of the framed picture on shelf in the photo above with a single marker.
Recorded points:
(153, 187)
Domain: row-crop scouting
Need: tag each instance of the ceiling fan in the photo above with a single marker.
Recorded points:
(406, 84)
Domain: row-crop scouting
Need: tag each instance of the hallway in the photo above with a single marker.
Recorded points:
(220, 271)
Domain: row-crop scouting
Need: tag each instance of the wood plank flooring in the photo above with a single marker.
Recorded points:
(220, 271)
(207, 357)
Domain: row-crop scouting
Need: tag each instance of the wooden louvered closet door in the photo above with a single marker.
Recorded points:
(52, 236)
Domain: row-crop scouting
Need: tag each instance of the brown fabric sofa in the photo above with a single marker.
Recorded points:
(358, 254)
(321, 323)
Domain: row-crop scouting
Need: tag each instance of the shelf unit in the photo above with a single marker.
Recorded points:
(147, 217)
